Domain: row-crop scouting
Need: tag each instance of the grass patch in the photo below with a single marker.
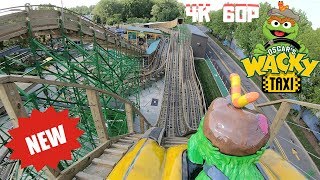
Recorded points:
(209, 86)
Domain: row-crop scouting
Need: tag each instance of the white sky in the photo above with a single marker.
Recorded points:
(311, 7)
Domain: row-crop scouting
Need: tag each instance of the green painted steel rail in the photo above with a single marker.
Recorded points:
(222, 87)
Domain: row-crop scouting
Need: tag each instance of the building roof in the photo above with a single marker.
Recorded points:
(153, 46)
(150, 30)
(195, 30)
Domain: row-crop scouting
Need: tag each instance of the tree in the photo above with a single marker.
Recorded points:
(219, 28)
(108, 10)
(45, 7)
(310, 86)
(167, 10)
(113, 11)
(304, 23)
(249, 34)
(83, 10)
(311, 38)
(310, 92)
(137, 8)
(137, 20)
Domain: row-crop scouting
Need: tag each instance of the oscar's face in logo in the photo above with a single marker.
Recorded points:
(280, 27)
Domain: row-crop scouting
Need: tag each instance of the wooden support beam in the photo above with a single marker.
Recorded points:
(270, 103)
(82, 163)
(51, 173)
(97, 115)
(18, 78)
(129, 116)
(13, 104)
(279, 119)
(142, 124)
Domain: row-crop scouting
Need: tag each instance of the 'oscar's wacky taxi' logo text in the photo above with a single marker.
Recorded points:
(281, 61)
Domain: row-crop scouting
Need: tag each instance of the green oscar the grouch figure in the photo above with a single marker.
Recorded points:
(231, 138)
(280, 29)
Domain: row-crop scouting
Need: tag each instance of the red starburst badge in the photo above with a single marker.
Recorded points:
(45, 138)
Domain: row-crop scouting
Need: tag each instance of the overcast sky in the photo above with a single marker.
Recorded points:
(311, 7)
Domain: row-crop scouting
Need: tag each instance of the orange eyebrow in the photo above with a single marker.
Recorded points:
(281, 20)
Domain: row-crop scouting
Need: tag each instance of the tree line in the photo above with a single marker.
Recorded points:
(132, 11)
(247, 35)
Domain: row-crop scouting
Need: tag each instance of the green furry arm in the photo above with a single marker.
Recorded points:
(193, 150)
(195, 144)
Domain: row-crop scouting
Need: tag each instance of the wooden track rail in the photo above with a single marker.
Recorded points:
(183, 104)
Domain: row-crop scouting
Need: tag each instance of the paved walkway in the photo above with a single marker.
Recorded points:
(150, 103)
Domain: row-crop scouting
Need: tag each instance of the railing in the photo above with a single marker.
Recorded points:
(13, 23)
(14, 105)
(166, 24)
(283, 118)
(204, 103)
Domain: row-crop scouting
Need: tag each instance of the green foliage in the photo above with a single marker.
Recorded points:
(219, 28)
(311, 85)
(188, 20)
(108, 11)
(137, 20)
(304, 23)
(83, 10)
(137, 8)
(137, 11)
(311, 88)
(311, 39)
(167, 10)
(249, 34)
(45, 7)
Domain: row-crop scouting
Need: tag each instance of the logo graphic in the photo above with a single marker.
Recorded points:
(276, 83)
(44, 139)
(198, 11)
(281, 61)
(240, 12)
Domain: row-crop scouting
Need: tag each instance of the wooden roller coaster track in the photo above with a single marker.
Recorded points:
(183, 104)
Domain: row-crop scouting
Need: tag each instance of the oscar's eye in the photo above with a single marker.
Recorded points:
(275, 23)
(286, 25)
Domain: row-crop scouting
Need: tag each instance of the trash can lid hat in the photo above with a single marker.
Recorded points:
(286, 13)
